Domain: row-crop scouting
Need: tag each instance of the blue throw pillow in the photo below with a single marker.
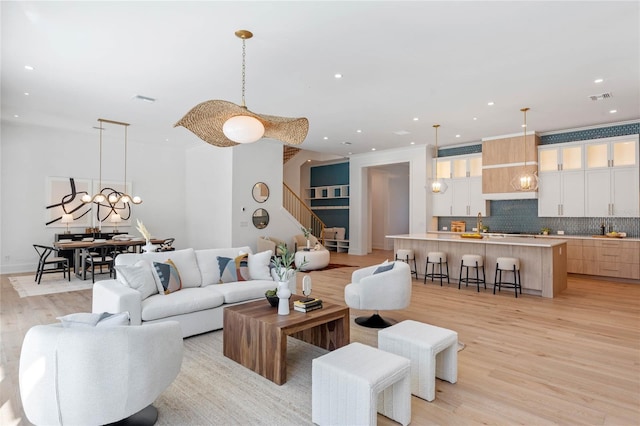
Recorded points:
(384, 268)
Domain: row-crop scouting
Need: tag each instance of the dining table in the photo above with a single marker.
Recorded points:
(79, 254)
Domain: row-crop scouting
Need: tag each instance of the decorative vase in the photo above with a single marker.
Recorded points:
(283, 294)
(308, 244)
(148, 247)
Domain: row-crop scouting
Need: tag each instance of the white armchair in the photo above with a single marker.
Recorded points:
(387, 290)
(269, 243)
(92, 376)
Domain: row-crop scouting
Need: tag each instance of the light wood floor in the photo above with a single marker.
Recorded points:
(574, 359)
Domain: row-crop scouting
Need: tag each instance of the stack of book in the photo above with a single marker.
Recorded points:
(307, 305)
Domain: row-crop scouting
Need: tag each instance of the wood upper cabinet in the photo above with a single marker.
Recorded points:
(503, 159)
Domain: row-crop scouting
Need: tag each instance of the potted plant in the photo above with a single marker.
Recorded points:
(307, 232)
(284, 268)
(545, 231)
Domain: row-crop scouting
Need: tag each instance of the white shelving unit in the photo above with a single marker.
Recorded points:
(328, 192)
(341, 246)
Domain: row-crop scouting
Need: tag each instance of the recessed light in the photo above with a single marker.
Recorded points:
(373, 149)
(613, 111)
(475, 118)
(490, 103)
(337, 75)
(412, 143)
(415, 119)
(26, 93)
(350, 153)
(457, 136)
(358, 131)
(16, 116)
(326, 138)
(29, 68)
(598, 80)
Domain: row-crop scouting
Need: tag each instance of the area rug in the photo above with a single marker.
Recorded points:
(49, 284)
(337, 265)
(214, 390)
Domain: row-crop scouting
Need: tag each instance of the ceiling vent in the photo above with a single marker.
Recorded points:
(144, 99)
(600, 97)
(401, 132)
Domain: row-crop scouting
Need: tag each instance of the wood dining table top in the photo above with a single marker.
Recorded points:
(98, 243)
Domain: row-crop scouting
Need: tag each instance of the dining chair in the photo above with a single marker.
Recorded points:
(48, 264)
(167, 245)
(98, 258)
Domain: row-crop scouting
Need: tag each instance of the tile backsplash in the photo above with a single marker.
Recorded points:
(521, 216)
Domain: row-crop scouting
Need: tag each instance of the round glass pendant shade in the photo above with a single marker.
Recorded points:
(243, 129)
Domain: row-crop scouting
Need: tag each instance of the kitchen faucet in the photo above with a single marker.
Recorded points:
(479, 222)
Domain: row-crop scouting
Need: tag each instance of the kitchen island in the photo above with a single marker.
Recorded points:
(543, 261)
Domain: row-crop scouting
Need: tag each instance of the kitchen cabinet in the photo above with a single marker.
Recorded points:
(464, 194)
(612, 178)
(503, 158)
(561, 181)
(610, 257)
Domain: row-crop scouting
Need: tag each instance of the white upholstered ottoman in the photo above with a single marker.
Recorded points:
(316, 259)
(353, 383)
(433, 352)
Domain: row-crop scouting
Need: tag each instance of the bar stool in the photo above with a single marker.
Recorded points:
(405, 255)
(476, 262)
(436, 258)
(508, 264)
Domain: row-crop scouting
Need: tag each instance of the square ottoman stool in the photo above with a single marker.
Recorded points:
(433, 352)
(352, 384)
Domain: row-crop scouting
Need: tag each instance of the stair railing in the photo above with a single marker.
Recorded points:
(302, 212)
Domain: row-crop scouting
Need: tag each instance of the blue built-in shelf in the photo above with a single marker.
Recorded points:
(329, 194)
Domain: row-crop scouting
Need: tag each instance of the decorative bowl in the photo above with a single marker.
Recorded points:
(273, 300)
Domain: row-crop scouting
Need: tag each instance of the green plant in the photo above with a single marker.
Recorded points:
(306, 232)
(284, 265)
(545, 230)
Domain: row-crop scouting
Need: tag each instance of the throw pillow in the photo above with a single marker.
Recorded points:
(90, 320)
(259, 265)
(138, 277)
(384, 267)
(167, 277)
(233, 270)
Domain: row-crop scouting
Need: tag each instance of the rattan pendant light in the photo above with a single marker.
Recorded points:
(222, 123)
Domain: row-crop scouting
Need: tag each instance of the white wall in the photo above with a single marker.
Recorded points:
(30, 154)
(360, 220)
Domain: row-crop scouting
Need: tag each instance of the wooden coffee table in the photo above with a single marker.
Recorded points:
(254, 335)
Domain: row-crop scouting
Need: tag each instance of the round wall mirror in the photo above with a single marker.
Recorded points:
(260, 192)
(260, 218)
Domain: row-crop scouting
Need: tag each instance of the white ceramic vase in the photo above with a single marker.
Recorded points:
(284, 294)
(308, 244)
(148, 247)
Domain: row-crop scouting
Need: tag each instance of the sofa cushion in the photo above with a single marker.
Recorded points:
(208, 263)
(167, 277)
(139, 277)
(234, 292)
(182, 302)
(185, 261)
(259, 265)
(90, 320)
(234, 269)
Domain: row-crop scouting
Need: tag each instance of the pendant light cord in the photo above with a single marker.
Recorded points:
(244, 54)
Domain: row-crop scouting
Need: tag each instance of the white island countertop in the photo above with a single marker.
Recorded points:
(528, 241)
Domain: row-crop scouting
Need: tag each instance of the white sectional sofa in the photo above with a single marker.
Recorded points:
(201, 298)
